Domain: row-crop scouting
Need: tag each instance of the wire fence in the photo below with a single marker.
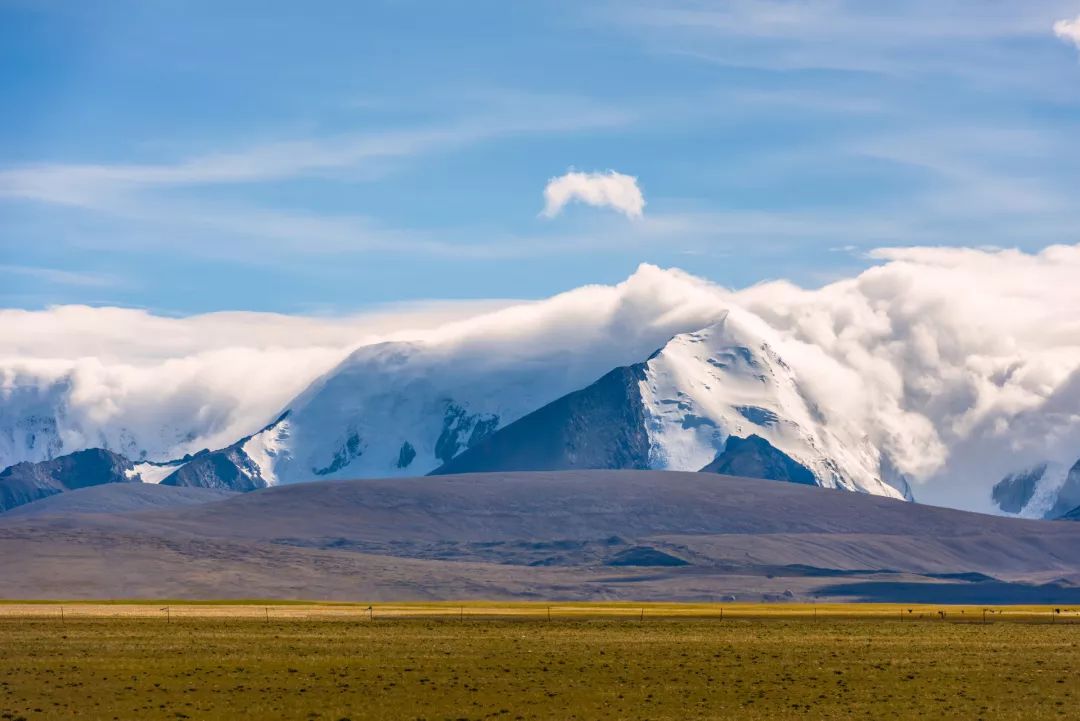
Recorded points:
(372, 612)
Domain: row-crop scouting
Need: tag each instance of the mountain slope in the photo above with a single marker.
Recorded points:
(558, 535)
(1047, 490)
(601, 426)
(692, 397)
(233, 468)
(117, 498)
(27, 482)
(404, 409)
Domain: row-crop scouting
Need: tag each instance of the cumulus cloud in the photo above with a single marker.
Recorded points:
(1069, 30)
(961, 364)
(611, 189)
(134, 381)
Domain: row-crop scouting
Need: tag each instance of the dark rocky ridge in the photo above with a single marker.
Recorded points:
(755, 457)
(229, 468)
(1015, 490)
(600, 426)
(26, 482)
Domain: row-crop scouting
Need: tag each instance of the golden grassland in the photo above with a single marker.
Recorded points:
(436, 661)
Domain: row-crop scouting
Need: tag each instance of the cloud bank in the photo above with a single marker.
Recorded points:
(961, 364)
(611, 189)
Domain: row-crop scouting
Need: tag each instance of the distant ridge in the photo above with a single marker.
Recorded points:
(555, 535)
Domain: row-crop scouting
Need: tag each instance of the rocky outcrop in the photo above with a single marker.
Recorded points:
(754, 457)
(26, 482)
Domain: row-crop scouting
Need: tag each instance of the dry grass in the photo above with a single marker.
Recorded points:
(506, 661)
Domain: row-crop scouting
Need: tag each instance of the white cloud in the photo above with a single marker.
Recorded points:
(127, 378)
(611, 189)
(963, 364)
(1069, 30)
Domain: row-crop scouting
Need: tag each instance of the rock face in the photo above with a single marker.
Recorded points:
(228, 469)
(26, 482)
(1047, 490)
(238, 467)
(754, 457)
(235, 468)
(601, 426)
(1068, 496)
(1016, 490)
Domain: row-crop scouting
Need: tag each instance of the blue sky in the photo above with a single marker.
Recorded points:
(325, 157)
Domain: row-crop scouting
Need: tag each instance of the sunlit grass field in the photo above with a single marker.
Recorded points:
(509, 661)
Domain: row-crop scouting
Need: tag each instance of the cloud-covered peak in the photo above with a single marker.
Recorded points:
(611, 189)
(960, 364)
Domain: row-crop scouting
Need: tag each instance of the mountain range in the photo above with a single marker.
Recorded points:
(719, 399)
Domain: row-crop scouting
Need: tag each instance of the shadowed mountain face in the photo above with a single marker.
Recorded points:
(754, 457)
(27, 482)
(1047, 490)
(601, 426)
(1016, 490)
(560, 535)
(227, 469)
(1068, 496)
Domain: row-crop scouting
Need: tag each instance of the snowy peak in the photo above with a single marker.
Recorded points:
(1045, 490)
(44, 418)
(404, 409)
(704, 387)
(717, 399)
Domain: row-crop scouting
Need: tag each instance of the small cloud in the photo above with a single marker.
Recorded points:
(1069, 30)
(611, 189)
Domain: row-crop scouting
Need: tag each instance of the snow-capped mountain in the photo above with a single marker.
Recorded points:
(1046, 490)
(38, 423)
(679, 409)
(403, 409)
(228, 469)
(410, 408)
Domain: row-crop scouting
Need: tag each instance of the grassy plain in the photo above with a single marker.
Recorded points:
(508, 661)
